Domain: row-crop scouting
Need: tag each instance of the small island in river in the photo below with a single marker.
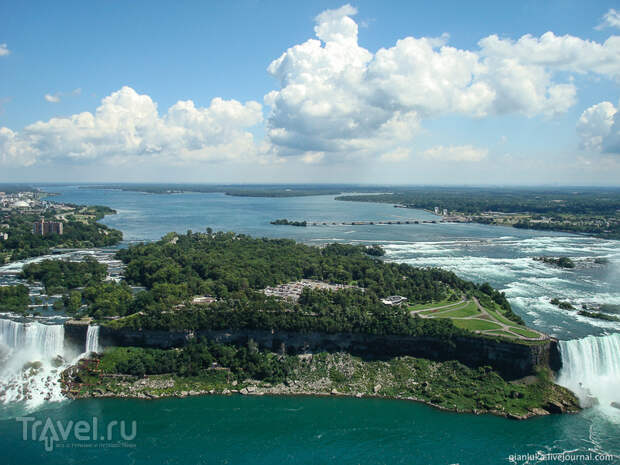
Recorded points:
(561, 262)
(285, 222)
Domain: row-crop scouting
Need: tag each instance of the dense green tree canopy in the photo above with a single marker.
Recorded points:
(60, 275)
(14, 298)
(235, 268)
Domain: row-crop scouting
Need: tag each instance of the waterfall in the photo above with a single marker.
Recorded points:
(591, 369)
(31, 360)
(92, 340)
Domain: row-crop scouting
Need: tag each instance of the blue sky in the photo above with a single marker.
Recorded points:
(502, 113)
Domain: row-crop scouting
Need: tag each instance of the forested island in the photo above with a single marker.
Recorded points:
(235, 269)
(285, 222)
(201, 284)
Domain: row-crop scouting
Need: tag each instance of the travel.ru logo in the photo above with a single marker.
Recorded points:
(88, 435)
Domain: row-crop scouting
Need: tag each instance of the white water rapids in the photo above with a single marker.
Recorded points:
(32, 358)
(591, 369)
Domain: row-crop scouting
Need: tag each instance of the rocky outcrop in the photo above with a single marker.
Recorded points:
(511, 360)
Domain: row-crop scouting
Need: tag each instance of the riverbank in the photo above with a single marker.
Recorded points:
(589, 212)
(448, 386)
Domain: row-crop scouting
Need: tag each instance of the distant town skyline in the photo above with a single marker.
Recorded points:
(322, 92)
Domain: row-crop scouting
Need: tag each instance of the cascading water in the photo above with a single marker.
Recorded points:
(31, 360)
(591, 369)
(92, 339)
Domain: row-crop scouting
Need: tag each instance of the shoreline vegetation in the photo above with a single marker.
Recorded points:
(590, 211)
(203, 369)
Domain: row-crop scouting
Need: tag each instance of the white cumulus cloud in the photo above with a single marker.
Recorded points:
(599, 128)
(610, 19)
(467, 153)
(338, 98)
(128, 124)
(4, 50)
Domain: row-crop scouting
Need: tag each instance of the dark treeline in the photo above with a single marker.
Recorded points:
(254, 190)
(600, 228)
(199, 357)
(15, 188)
(472, 201)
(14, 298)
(234, 268)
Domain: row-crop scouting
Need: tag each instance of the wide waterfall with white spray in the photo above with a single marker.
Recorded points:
(31, 360)
(591, 369)
(92, 339)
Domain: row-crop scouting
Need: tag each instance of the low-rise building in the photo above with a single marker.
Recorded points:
(204, 299)
(292, 291)
(394, 300)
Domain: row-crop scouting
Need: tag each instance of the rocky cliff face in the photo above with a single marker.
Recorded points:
(75, 332)
(511, 360)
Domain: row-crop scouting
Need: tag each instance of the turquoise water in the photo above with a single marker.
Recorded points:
(275, 430)
(238, 429)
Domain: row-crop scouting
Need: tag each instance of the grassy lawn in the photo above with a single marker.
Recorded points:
(473, 325)
(498, 316)
(501, 333)
(469, 309)
(439, 311)
(524, 332)
(441, 303)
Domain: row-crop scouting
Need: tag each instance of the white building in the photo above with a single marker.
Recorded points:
(394, 300)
